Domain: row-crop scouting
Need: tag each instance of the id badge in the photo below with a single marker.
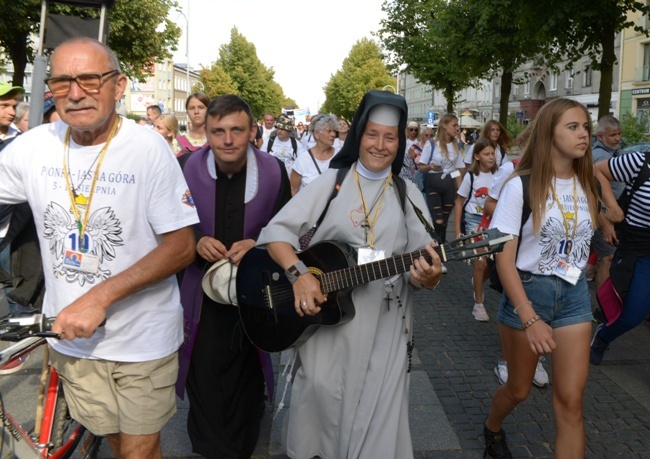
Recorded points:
(454, 174)
(78, 261)
(565, 271)
(368, 255)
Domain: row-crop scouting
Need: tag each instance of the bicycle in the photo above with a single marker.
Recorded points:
(56, 435)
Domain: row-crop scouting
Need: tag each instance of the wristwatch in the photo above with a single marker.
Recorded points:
(295, 271)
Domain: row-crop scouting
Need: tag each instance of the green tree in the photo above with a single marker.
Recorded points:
(413, 33)
(134, 32)
(362, 70)
(289, 102)
(470, 25)
(252, 79)
(588, 28)
(216, 81)
(635, 129)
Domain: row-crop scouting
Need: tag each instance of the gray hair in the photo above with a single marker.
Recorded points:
(112, 58)
(21, 109)
(606, 123)
(324, 122)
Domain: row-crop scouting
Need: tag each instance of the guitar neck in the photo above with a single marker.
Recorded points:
(368, 272)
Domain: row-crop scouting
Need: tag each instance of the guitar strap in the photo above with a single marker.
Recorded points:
(425, 223)
(401, 190)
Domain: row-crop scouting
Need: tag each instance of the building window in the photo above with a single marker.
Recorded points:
(586, 76)
(527, 88)
(553, 82)
(568, 79)
(515, 89)
(646, 62)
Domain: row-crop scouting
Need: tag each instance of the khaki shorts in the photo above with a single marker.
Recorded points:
(135, 398)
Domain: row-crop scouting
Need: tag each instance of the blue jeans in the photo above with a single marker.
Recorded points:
(637, 303)
(5, 264)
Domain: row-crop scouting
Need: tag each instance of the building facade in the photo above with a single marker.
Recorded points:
(535, 85)
(635, 69)
(168, 88)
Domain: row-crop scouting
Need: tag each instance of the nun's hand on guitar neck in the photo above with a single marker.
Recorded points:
(424, 273)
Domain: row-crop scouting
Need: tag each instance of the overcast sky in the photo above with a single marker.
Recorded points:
(305, 42)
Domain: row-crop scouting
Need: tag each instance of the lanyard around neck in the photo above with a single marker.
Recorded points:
(366, 212)
(79, 200)
(565, 220)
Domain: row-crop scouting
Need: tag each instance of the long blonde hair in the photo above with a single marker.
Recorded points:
(536, 160)
(442, 137)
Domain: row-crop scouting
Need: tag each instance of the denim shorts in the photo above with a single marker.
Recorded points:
(556, 301)
(471, 222)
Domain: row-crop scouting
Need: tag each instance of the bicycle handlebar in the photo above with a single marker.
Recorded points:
(16, 327)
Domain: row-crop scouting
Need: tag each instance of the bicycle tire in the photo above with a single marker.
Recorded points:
(64, 426)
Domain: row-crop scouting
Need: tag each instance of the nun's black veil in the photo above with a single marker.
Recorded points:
(350, 151)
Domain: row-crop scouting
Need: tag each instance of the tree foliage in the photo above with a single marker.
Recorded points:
(497, 37)
(421, 38)
(588, 27)
(139, 32)
(635, 128)
(252, 79)
(216, 81)
(362, 70)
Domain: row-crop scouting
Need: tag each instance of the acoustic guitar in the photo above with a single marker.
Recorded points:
(265, 295)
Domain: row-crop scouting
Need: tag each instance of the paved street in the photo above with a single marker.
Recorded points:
(451, 385)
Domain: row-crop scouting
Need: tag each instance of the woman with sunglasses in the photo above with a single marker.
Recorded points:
(413, 151)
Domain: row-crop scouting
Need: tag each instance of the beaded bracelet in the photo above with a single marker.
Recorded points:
(531, 321)
(523, 304)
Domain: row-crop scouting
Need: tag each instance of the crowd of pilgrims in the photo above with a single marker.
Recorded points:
(457, 170)
(450, 170)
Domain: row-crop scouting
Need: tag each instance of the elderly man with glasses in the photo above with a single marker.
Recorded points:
(114, 219)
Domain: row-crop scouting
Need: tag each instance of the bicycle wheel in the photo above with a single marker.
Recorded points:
(70, 439)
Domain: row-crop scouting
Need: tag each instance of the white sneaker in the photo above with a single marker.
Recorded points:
(479, 313)
(501, 371)
(541, 376)
(444, 269)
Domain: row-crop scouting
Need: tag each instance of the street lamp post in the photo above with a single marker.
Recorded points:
(187, 49)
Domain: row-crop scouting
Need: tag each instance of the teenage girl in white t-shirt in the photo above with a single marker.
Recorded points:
(499, 138)
(474, 192)
(546, 305)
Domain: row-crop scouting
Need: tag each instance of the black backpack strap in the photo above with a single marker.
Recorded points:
(294, 145)
(314, 160)
(471, 188)
(269, 146)
(525, 208)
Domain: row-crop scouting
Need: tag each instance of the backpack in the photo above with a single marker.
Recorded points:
(495, 282)
(294, 144)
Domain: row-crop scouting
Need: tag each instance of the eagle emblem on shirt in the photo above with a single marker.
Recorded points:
(556, 247)
(102, 236)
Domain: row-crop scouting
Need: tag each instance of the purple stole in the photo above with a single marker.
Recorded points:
(257, 213)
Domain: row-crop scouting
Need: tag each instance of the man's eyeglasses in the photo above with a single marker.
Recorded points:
(90, 82)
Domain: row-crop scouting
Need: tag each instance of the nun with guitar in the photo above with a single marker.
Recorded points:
(350, 395)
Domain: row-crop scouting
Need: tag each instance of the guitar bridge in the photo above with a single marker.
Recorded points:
(269, 298)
